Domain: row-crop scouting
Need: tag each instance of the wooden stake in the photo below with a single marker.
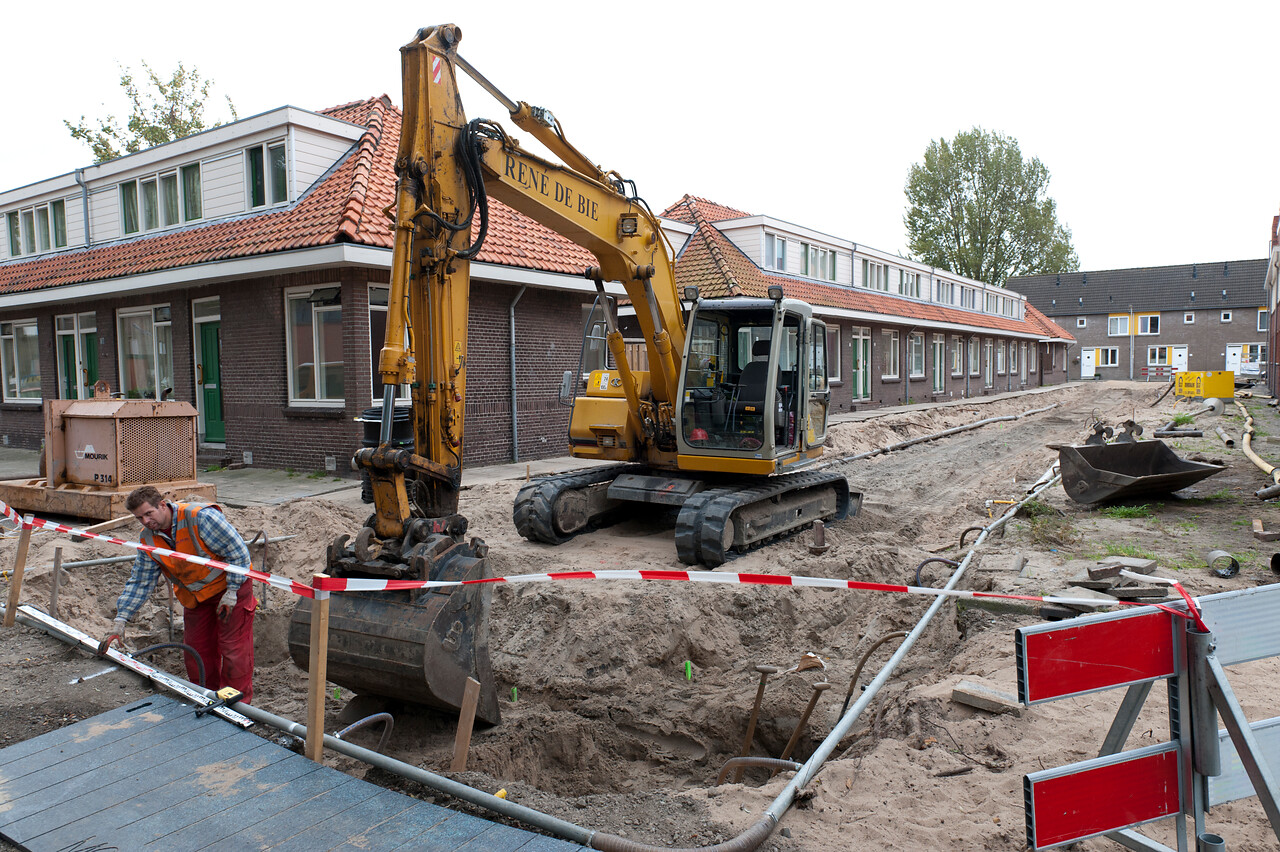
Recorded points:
(466, 719)
(103, 527)
(317, 669)
(57, 580)
(19, 566)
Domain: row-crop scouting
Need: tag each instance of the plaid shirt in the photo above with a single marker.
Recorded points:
(224, 543)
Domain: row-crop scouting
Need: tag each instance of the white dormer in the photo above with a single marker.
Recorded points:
(252, 165)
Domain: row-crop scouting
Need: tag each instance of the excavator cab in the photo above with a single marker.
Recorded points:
(755, 381)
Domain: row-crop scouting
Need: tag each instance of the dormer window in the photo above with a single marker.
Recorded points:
(266, 175)
(37, 229)
(162, 200)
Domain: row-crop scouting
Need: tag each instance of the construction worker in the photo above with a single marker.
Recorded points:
(218, 607)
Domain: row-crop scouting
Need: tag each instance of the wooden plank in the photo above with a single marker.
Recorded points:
(466, 721)
(317, 668)
(396, 832)
(351, 825)
(110, 811)
(206, 823)
(497, 838)
(19, 568)
(112, 524)
(54, 785)
(152, 776)
(300, 816)
(447, 836)
(106, 722)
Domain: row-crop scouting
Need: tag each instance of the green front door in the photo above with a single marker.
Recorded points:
(208, 376)
(862, 365)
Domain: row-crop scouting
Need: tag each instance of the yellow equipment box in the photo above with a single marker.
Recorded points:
(1206, 384)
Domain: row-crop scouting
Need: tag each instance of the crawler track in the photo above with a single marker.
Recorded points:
(711, 527)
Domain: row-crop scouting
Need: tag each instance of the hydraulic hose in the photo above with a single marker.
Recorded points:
(1272, 490)
(192, 651)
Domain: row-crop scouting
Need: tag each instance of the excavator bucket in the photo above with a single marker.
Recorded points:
(418, 645)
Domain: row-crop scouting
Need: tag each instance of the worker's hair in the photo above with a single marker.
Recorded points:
(143, 494)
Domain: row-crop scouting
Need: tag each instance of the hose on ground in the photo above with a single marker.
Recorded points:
(385, 718)
(866, 655)
(187, 648)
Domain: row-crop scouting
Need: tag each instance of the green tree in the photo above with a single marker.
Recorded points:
(161, 111)
(977, 208)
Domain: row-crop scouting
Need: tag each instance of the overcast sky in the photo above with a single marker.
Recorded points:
(1159, 122)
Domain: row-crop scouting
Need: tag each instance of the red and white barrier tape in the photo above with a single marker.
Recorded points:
(270, 579)
(339, 584)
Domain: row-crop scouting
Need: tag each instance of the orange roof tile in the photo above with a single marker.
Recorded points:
(715, 265)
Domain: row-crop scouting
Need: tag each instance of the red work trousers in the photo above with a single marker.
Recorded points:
(226, 647)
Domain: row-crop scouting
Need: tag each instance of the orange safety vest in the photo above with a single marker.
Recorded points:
(192, 583)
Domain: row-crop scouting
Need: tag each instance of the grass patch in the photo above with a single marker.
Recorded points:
(1111, 548)
(1183, 419)
(1036, 509)
(1052, 531)
(316, 474)
(1143, 511)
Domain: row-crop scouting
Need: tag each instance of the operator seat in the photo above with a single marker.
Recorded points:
(748, 395)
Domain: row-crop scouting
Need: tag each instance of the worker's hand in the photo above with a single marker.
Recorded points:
(227, 603)
(116, 635)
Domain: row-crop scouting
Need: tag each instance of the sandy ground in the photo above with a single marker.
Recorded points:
(608, 732)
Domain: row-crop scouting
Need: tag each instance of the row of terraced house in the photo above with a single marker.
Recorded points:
(246, 268)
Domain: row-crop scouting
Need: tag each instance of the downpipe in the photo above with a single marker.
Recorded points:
(515, 412)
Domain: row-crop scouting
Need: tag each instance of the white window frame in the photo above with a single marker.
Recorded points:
(1157, 356)
(23, 236)
(304, 294)
(402, 391)
(163, 219)
(915, 354)
(988, 378)
(975, 356)
(1013, 357)
(1000, 357)
(80, 326)
(273, 194)
(945, 292)
(1114, 326)
(957, 356)
(1263, 319)
(1080, 322)
(1226, 316)
(11, 363)
(833, 354)
(969, 298)
(1033, 355)
(161, 317)
(990, 303)
(890, 340)
(1188, 317)
(1145, 323)
(1108, 356)
(775, 252)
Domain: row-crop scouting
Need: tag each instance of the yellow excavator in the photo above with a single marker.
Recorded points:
(732, 408)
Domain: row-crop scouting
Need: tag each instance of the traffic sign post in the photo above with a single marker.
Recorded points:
(1199, 766)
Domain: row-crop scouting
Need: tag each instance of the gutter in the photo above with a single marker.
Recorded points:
(84, 203)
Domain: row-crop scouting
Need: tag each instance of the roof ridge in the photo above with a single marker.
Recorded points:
(713, 246)
(350, 218)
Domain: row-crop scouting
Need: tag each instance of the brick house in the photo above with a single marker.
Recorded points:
(247, 268)
(1272, 284)
(1146, 323)
(904, 331)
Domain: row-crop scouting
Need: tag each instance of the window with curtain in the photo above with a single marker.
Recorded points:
(145, 342)
(20, 360)
(129, 206)
(315, 345)
(192, 201)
